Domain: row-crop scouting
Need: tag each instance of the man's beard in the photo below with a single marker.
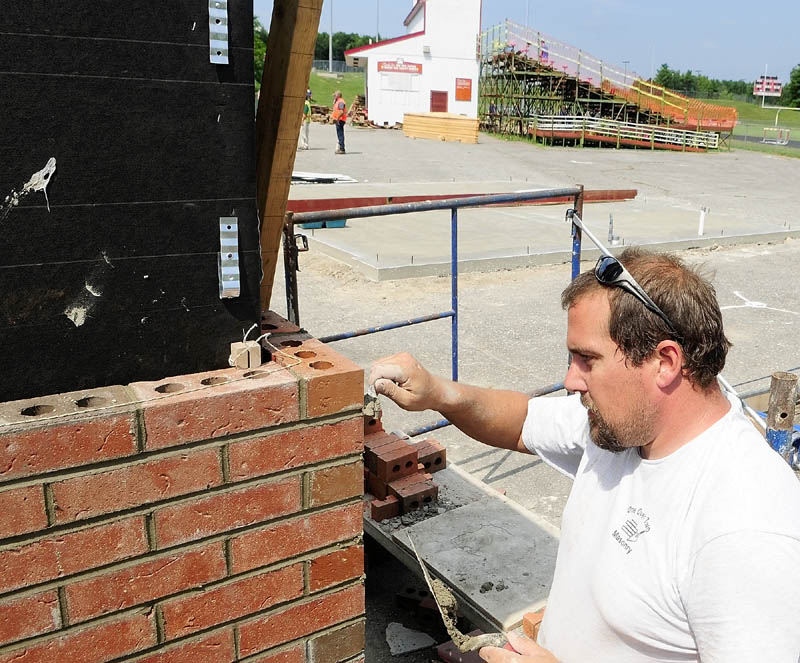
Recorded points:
(634, 432)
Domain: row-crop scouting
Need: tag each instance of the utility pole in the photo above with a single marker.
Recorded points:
(626, 63)
(377, 21)
(330, 43)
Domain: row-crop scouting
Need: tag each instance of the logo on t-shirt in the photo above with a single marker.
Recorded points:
(637, 523)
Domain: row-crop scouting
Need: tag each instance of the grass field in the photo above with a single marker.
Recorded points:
(324, 85)
(754, 114)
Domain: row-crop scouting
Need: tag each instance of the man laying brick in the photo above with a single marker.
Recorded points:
(680, 539)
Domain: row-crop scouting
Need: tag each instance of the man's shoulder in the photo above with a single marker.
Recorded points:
(745, 485)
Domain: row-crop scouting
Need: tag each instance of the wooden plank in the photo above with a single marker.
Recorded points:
(287, 65)
(441, 126)
(324, 204)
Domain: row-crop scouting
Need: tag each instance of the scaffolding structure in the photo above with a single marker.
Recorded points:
(528, 78)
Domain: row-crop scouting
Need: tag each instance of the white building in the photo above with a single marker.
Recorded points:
(433, 67)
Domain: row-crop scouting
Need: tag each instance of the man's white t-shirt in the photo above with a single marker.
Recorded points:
(692, 557)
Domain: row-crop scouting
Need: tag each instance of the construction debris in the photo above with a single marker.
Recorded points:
(441, 126)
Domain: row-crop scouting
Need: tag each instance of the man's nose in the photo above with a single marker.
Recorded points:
(573, 380)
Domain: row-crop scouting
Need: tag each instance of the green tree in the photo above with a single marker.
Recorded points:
(791, 91)
(260, 37)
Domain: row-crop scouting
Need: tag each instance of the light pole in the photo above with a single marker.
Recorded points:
(377, 21)
(330, 43)
(626, 63)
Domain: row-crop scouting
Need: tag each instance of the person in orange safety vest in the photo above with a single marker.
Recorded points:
(339, 118)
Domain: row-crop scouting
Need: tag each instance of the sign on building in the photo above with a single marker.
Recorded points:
(767, 86)
(400, 67)
(463, 89)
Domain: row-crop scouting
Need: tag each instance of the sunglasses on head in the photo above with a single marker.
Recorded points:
(611, 272)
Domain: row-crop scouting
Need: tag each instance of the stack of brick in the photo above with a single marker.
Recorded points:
(397, 473)
(210, 517)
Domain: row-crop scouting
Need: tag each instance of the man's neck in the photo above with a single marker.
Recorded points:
(683, 417)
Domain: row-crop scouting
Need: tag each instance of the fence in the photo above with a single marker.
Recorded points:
(336, 67)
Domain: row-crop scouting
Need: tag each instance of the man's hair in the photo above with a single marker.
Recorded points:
(337, 93)
(686, 297)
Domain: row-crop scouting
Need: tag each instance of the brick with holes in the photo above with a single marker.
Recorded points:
(416, 495)
(383, 509)
(395, 461)
(432, 455)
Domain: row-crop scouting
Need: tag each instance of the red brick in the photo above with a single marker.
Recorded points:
(24, 618)
(333, 383)
(336, 646)
(228, 405)
(336, 567)
(294, 655)
(226, 511)
(378, 439)
(415, 496)
(376, 487)
(395, 461)
(334, 484)
(231, 601)
(407, 481)
(432, 455)
(216, 648)
(287, 539)
(300, 620)
(531, 621)
(281, 451)
(144, 582)
(373, 424)
(90, 645)
(31, 448)
(135, 485)
(22, 510)
(274, 323)
(383, 509)
(72, 552)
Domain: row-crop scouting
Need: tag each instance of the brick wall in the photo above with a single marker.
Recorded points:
(204, 518)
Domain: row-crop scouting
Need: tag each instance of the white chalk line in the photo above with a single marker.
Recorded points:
(748, 303)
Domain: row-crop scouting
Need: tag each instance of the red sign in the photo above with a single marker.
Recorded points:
(767, 86)
(400, 67)
(463, 89)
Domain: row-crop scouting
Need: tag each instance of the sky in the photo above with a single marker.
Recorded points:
(723, 40)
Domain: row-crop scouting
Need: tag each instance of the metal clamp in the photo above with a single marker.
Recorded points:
(228, 257)
(218, 31)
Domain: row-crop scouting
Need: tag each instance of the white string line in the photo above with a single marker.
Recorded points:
(257, 374)
(748, 303)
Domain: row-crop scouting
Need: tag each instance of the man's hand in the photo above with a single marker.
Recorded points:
(403, 379)
(529, 652)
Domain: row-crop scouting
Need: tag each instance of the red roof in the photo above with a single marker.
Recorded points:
(360, 49)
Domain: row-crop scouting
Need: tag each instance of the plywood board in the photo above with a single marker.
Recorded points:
(441, 126)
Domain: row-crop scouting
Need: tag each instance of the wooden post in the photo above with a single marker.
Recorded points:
(780, 413)
(287, 65)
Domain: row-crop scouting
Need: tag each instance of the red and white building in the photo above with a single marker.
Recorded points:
(433, 67)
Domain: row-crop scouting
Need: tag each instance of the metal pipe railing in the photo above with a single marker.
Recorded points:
(430, 205)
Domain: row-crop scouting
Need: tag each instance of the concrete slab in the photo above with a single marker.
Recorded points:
(492, 554)
(746, 194)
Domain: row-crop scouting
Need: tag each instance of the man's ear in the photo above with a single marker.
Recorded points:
(669, 363)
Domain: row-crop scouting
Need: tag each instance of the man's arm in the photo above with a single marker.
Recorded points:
(490, 416)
